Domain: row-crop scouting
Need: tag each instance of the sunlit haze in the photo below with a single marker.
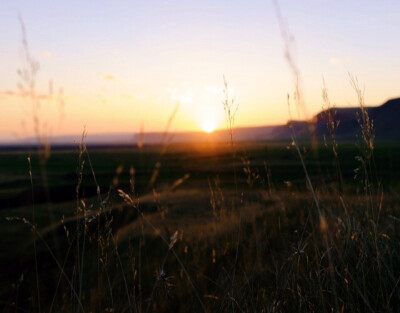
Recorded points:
(112, 66)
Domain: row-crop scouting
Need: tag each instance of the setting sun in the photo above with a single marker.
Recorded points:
(208, 126)
(209, 117)
(208, 114)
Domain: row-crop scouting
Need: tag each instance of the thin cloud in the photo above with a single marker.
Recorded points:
(127, 96)
(213, 90)
(24, 94)
(335, 61)
(185, 98)
(8, 93)
(47, 53)
(11, 93)
(109, 76)
(43, 96)
(180, 94)
(171, 90)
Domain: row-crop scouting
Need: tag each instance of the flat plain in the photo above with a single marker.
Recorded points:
(199, 227)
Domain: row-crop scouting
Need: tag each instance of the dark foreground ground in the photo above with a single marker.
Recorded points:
(199, 228)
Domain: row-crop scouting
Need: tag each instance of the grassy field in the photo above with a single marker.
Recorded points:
(201, 229)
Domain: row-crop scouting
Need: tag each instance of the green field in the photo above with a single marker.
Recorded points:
(199, 227)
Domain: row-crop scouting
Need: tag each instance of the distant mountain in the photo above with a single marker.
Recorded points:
(385, 118)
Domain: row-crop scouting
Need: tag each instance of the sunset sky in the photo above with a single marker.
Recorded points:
(123, 64)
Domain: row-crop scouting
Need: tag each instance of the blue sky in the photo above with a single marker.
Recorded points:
(122, 64)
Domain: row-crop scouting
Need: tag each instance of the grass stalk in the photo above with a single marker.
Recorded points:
(34, 235)
(38, 234)
(101, 203)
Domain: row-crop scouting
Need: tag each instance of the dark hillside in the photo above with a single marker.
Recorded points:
(385, 118)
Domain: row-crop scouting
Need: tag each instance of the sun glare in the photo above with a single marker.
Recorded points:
(209, 117)
(208, 126)
(208, 113)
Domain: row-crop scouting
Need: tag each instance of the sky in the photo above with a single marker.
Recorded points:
(124, 65)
